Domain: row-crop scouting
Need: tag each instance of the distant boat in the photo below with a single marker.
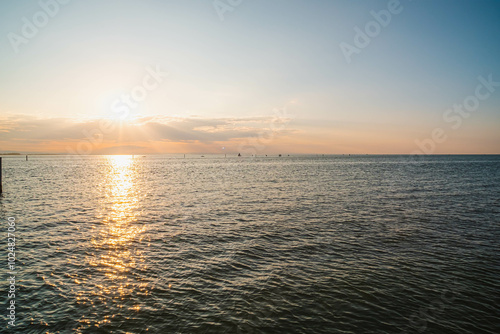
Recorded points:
(239, 154)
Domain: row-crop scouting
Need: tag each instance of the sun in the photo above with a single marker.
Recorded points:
(124, 116)
(120, 161)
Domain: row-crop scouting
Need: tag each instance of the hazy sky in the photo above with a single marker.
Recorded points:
(258, 76)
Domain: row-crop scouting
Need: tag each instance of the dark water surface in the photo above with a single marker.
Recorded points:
(311, 244)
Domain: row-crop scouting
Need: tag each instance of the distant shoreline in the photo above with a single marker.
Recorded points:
(258, 155)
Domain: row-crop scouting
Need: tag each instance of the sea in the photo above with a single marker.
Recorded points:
(253, 244)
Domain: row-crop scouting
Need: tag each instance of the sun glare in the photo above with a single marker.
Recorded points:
(112, 256)
(120, 161)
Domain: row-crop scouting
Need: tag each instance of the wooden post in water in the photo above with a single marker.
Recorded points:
(26, 157)
(0, 175)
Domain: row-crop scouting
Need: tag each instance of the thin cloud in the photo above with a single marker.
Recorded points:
(151, 128)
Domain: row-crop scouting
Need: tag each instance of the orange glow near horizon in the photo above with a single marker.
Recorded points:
(151, 136)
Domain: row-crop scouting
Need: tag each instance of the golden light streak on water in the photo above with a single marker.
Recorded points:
(113, 255)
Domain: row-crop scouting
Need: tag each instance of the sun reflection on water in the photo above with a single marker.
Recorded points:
(115, 255)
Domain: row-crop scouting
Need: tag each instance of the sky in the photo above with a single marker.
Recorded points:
(250, 76)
